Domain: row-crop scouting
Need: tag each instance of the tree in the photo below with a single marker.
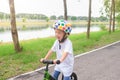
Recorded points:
(117, 6)
(113, 4)
(108, 11)
(112, 16)
(89, 19)
(53, 17)
(102, 18)
(74, 18)
(13, 27)
(110, 22)
(1, 16)
(115, 11)
(60, 17)
(7, 16)
(47, 19)
(65, 9)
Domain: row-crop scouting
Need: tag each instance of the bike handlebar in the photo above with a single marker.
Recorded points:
(50, 62)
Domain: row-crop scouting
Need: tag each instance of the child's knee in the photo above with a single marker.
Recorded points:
(56, 74)
(66, 78)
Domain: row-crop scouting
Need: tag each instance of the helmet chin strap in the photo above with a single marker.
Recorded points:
(63, 39)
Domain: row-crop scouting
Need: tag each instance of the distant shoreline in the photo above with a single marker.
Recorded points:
(35, 23)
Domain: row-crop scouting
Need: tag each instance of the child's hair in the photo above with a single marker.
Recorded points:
(63, 25)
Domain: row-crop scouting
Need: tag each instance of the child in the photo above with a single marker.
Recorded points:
(63, 48)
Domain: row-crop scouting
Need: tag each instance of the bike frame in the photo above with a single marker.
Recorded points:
(47, 76)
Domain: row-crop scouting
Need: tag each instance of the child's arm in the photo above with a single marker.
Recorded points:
(47, 56)
(64, 55)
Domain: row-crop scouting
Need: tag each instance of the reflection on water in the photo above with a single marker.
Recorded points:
(30, 32)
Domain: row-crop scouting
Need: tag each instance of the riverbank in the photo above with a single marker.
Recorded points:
(44, 23)
(12, 63)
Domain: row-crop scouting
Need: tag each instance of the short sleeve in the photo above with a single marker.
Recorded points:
(54, 46)
(68, 47)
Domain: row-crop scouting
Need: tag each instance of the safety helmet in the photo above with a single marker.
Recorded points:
(63, 25)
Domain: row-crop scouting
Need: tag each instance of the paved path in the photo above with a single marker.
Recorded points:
(101, 64)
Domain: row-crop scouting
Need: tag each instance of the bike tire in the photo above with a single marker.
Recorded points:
(73, 76)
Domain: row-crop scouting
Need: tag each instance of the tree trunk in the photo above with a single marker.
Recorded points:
(89, 20)
(13, 27)
(110, 24)
(65, 9)
(113, 3)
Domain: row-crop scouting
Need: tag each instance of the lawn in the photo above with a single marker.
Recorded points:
(12, 63)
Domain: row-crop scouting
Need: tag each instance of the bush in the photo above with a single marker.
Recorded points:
(103, 27)
(118, 26)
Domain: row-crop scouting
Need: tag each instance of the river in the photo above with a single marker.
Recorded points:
(40, 32)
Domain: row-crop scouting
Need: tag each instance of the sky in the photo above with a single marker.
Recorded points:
(53, 7)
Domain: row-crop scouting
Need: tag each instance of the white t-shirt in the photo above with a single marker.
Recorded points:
(66, 67)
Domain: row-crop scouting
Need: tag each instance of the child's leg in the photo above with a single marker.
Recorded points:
(66, 78)
(56, 74)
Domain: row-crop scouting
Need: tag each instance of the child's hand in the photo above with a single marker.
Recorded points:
(41, 60)
(56, 61)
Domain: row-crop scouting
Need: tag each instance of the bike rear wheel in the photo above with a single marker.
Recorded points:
(72, 77)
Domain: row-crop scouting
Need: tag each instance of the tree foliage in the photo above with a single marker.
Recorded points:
(107, 5)
(25, 16)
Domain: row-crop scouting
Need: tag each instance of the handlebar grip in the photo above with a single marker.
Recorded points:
(58, 62)
(48, 61)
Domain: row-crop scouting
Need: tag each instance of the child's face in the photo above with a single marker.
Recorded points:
(59, 34)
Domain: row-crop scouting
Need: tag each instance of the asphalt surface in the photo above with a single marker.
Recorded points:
(101, 64)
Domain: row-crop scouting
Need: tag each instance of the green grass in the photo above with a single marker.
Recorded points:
(12, 63)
